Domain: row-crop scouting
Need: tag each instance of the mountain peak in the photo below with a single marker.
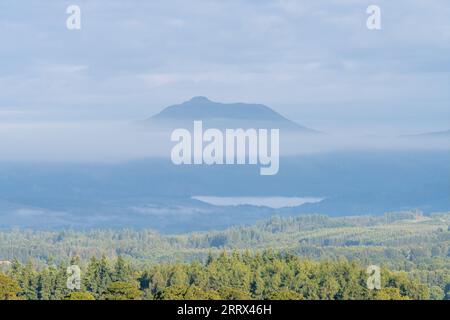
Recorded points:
(199, 99)
(216, 114)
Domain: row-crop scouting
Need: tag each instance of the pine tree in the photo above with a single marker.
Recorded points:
(122, 270)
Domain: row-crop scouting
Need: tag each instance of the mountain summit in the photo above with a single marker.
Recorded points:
(224, 115)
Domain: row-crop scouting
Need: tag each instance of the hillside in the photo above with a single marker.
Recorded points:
(413, 251)
(395, 239)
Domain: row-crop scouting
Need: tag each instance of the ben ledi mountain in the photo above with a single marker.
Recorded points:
(223, 115)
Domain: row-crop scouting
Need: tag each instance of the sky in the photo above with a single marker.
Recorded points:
(313, 61)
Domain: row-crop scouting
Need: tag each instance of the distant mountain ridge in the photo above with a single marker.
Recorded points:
(231, 115)
(435, 134)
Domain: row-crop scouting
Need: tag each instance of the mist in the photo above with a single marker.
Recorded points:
(125, 141)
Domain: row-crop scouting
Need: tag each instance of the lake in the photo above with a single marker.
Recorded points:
(271, 202)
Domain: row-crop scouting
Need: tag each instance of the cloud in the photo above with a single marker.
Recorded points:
(131, 59)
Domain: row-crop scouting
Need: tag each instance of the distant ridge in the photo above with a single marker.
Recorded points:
(221, 115)
(436, 134)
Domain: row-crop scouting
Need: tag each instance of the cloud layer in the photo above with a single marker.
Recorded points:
(315, 61)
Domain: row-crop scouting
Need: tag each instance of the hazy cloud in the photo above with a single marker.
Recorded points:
(306, 59)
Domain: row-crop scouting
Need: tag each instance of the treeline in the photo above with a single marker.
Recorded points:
(406, 241)
(266, 275)
(402, 241)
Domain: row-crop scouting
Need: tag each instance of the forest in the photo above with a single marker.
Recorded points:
(304, 257)
(234, 276)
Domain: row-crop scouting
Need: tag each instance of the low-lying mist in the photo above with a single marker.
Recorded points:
(118, 142)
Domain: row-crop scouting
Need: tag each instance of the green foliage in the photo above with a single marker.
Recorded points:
(266, 275)
(390, 294)
(78, 295)
(121, 290)
(98, 276)
(309, 259)
(197, 293)
(286, 295)
(405, 240)
(9, 288)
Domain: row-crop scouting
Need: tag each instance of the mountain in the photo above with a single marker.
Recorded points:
(223, 115)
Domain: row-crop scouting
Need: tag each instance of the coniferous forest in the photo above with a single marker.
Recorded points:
(230, 276)
(284, 258)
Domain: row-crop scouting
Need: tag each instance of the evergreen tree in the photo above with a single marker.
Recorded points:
(122, 270)
(9, 288)
(121, 290)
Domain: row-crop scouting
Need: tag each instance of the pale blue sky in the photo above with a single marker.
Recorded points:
(314, 61)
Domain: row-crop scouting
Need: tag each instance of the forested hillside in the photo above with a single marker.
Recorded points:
(409, 238)
(413, 244)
